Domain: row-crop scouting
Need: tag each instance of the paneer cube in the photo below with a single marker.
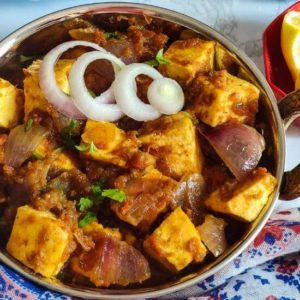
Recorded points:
(148, 194)
(176, 242)
(46, 147)
(225, 60)
(188, 58)
(222, 97)
(11, 104)
(39, 241)
(95, 228)
(173, 140)
(243, 200)
(114, 145)
(90, 34)
(63, 161)
(34, 97)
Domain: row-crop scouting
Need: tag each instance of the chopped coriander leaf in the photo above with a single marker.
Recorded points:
(93, 148)
(38, 156)
(92, 93)
(114, 194)
(152, 63)
(85, 203)
(187, 114)
(24, 60)
(68, 141)
(87, 219)
(194, 120)
(109, 35)
(160, 58)
(89, 147)
(28, 125)
(72, 126)
(83, 147)
(59, 150)
(97, 187)
(96, 190)
(68, 133)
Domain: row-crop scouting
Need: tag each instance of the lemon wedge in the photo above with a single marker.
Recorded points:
(290, 42)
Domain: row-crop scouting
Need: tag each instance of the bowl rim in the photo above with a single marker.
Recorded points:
(196, 25)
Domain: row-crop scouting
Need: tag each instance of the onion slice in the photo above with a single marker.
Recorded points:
(125, 89)
(166, 95)
(239, 146)
(62, 102)
(101, 107)
(212, 233)
(21, 143)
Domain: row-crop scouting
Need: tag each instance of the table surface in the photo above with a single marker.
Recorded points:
(242, 21)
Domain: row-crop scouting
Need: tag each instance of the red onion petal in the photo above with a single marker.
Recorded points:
(99, 108)
(48, 84)
(125, 89)
(111, 262)
(239, 146)
(212, 233)
(21, 143)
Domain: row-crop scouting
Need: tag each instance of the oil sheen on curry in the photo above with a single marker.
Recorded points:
(130, 153)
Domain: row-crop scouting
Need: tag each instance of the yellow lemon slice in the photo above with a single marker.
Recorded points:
(290, 42)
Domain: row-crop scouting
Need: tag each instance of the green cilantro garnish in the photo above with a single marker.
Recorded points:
(28, 125)
(152, 63)
(59, 150)
(38, 156)
(158, 60)
(68, 133)
(83, 147)
(91, 148)
(26, 60)
(114, 194)
(97, 187)
(160, 57)
(95, 198)
(85, 203)
(194, 120)
(72, 126)
(87, 219)
(110, 35)
(92, 93)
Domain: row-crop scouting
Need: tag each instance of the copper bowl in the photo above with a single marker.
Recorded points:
(44, 28)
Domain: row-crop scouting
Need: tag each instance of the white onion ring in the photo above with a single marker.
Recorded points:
(166, 95)
(62, 102)
(99, 108)
(106, 97)
(125, 89)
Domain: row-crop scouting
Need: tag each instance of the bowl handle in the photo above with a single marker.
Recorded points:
(289, 108)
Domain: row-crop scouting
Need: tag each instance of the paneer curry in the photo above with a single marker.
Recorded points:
(130, 152)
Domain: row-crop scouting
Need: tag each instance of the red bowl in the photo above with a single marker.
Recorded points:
(277, 72)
